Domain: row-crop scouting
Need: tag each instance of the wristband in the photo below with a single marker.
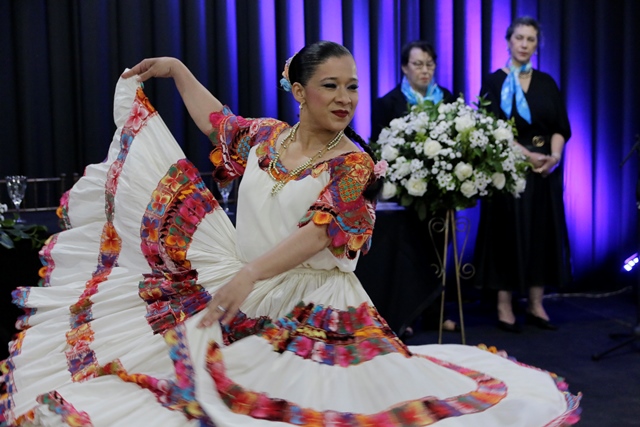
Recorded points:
(556, 156)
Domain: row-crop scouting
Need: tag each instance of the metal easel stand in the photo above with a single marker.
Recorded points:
(451, 227)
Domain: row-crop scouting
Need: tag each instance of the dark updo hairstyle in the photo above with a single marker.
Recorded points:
(420, 44)
(524, 20)
(304, 65)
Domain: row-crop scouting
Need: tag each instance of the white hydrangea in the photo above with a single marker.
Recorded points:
(503, 134)
(389, 153)
(478, 139)
(416, 165)
(402, 167)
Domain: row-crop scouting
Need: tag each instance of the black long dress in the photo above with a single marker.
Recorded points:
(523, 242)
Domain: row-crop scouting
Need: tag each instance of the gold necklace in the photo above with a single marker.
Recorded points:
(271, 169)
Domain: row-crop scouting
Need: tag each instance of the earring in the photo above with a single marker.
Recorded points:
(300, 106)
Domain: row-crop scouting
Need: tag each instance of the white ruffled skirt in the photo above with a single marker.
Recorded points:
(111, 337)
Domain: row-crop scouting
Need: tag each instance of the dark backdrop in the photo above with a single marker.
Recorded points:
(60, 60)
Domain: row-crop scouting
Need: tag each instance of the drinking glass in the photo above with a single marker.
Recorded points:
(16, 187)
(225, 192)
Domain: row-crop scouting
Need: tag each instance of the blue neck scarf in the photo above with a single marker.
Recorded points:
(512, 86)
(434, 93)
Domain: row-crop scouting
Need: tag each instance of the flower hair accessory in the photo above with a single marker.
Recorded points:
(284, 81)
(380, 169)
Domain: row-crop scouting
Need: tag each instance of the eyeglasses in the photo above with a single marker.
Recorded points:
(419, 65)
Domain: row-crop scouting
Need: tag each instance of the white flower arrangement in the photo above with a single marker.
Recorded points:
(447, 156)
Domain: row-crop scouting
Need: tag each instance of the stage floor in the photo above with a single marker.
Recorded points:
(610, 386)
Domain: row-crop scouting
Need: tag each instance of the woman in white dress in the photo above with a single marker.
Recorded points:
(154, 310)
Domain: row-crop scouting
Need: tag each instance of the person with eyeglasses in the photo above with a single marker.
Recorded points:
(418, 65)
(523, 242)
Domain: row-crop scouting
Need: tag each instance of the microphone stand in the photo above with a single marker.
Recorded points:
(635, 333)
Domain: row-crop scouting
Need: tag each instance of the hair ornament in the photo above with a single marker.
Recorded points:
(284, 81)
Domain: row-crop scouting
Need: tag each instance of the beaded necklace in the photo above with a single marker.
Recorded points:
(271, 169)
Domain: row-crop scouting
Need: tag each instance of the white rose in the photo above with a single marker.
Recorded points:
(388, 190)
(503, 134)
(498, 180)
(468, 188)
(431, 148)
(464, 122)
(3, 208)
(389, 153)
(463, 171)
(416, 186)
(521, 184)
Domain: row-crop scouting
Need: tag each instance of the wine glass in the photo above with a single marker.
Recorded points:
(16, 187)
(225, 191)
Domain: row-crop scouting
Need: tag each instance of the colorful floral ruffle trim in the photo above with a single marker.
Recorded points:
(572, 414)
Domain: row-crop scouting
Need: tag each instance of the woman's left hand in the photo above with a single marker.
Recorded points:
(227, 300)
(548, 166)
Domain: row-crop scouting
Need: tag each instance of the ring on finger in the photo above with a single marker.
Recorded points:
(222, 309)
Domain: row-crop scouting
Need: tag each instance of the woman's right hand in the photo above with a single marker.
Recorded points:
(538, 160)
(153, 67)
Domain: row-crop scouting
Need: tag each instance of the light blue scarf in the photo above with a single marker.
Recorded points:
(510, 86)
(434, 93)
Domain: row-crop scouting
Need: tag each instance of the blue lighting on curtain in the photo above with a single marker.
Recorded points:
(331, 20)
(269, 66)
(500, 20)
(525, 8)
(411, 29)
(232, 53)
(295, 41)
(388, 54)
(589, 201)
(473, 49)
(578, 156)
(362, 120)
(443, 44)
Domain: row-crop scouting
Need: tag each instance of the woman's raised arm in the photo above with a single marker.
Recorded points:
(199, 101)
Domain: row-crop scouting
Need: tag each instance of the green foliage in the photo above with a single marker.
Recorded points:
(12, 231)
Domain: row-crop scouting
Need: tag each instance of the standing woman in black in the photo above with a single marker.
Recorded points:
(523, 243)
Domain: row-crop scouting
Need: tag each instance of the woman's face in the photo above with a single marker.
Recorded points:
(331, 95)
(419, 70)
(523, 43)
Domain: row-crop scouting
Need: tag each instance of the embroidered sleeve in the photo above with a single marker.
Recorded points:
(232, 138)
(342, 206)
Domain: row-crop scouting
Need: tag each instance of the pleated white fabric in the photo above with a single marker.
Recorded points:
(89, 356)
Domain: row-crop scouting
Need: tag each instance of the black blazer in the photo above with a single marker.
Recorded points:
(394, 105)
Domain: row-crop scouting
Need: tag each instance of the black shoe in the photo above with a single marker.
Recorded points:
(541, 323)
(509, 327)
